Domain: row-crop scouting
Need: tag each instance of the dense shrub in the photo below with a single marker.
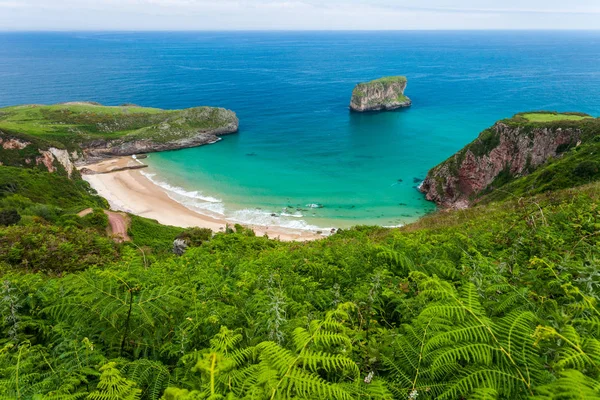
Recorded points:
(195, 236)
(587, 169)
(54, 249)
(9, 217)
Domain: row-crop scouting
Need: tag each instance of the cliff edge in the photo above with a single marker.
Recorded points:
(511, 149)
(380, 95)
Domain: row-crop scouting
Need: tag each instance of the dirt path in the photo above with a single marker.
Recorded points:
(118, 224)
(85, 212)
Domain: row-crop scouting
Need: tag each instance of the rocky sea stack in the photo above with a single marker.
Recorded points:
(380, 95)
(529, 153)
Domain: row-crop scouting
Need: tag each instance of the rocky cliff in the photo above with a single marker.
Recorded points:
(380, 94)
(510, 149)
(187, 129)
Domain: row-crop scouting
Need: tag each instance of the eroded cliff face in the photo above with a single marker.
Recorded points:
(379, 95)
(503, 151)
(20, 152)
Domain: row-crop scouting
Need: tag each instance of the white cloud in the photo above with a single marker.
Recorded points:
(297, 14)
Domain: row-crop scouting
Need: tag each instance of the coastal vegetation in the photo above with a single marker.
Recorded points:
(498, 301)
(553, 116)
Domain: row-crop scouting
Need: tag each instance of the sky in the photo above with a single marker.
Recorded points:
(297, 14)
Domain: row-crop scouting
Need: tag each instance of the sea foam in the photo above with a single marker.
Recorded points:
(265, 218)
(193, 200)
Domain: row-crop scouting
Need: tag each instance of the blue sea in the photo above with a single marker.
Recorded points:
(299, 147)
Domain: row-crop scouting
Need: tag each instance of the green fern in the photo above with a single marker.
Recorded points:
(113, 386)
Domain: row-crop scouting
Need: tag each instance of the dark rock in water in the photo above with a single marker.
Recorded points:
(400, 181)
(251, 154)
(273, 215)
(402, 204)
(141, 156)
(417, 180)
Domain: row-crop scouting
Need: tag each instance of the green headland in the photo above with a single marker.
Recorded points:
(92, 130)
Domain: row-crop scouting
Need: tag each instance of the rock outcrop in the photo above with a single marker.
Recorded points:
(17, 152)
(102, 149)
(506, 151)
(380, 95)
(173, 134)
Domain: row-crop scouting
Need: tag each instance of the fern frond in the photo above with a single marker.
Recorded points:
(571, 385)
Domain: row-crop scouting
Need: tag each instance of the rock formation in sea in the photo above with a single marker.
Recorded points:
(380, 95)
(510, 149)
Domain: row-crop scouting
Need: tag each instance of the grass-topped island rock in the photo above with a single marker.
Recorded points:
(380, 95)
(89, 131)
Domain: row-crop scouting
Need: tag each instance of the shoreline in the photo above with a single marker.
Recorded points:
(120, 181)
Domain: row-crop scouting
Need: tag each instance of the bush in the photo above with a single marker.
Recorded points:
(195, 236)
(54, 249)
(148, 232)
(49, 213)
(587, 169)
(97, 219)
(9, 217)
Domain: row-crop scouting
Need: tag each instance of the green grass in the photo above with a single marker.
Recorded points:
(552, 117)
(389, 80)
(402, 98)
(149, 233)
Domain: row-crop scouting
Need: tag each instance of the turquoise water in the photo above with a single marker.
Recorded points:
(298, 144)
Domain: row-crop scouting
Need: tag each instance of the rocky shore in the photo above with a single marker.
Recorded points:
(380, 95)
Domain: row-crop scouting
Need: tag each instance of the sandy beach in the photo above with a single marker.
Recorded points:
(130, 191)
